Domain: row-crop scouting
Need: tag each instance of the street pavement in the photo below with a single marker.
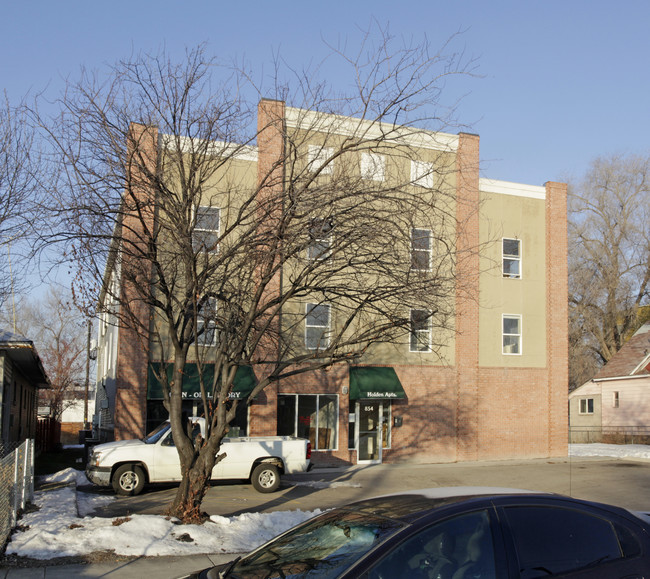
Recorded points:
(620, 482)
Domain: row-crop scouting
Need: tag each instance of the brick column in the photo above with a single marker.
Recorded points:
(467, 289)
(270, 182)
(557, 308)
(133, 337)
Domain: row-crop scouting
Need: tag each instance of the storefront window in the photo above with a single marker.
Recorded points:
(311, 416)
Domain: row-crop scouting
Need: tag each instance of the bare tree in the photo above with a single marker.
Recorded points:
(56, 327)
(18, 186)
(227, 261)
(609, 270)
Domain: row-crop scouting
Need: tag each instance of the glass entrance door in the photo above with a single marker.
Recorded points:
(372, 430)
(369, 414)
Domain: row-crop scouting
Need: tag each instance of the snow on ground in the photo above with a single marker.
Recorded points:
(613, 450)
(62, 526)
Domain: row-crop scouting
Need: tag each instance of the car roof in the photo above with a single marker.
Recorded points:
(409, 506)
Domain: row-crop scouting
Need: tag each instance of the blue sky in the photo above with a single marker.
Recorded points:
(562, 81)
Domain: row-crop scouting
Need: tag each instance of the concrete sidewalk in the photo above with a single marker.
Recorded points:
(141, 568)
(620, 482)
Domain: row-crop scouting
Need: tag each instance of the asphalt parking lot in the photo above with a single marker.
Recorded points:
(621, 482)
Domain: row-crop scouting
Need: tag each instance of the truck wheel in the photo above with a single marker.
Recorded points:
(265, 478)
(128, 480)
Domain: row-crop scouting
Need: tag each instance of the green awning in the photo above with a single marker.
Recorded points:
(374, 382)
(243, 384)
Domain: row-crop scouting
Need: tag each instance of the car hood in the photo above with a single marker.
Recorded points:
(118, 444)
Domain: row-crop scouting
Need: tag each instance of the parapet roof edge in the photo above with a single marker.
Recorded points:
(296, 118)
(509, 188)
(217, 148)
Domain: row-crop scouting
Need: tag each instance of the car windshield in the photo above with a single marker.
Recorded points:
(155, 435)
(322, 547)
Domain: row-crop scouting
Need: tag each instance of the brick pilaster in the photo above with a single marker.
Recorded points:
(557, 316)
(133, 338)
(467, 305)
(270, 183)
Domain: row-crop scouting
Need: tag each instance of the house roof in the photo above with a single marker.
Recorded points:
(633, 359)
(23, 354)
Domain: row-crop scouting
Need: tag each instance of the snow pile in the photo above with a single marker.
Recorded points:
(611, 450)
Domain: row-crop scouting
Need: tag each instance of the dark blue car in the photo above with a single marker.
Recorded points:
(457, 533)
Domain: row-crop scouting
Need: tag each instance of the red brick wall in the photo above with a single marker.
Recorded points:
(270, 174)
(132, 347)
(428, 431)
(557, 316)
(513, 419)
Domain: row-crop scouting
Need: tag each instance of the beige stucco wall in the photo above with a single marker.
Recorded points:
(515, 217)
(228, 188)
(398, 158)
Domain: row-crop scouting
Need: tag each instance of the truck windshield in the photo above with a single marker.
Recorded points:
(155, 435)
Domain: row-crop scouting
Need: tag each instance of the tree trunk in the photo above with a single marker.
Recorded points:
(186, 505)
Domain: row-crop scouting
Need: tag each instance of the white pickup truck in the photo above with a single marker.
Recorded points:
(128, 465)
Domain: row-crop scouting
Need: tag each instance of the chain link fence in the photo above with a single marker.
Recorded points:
(16, 475)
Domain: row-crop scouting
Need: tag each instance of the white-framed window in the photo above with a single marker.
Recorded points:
(317, 326)
(320, 233)
(511, 252)
(311, 416)
(420, 335)
(615, 399)
(422, 173)
(206, 229)
(421, 249)
(511, 326)
(373, 166)
(206, 323)
(586, 406)
(317, 156)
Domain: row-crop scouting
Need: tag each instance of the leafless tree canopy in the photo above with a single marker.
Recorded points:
(17, 197)
(55, 327)
(609, 254)
(155, 184)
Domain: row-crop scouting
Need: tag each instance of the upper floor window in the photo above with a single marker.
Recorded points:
(317, 156)
(511, 334)
(206, 229)
(373, 166)
(586, 405)
(320, 233)
(317, 326)
(420, 331)
(422, 173)
(512, 258)
(206, 324)
(615, 399)
(421, 249)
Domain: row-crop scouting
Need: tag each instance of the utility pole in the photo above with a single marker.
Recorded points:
(86, 425)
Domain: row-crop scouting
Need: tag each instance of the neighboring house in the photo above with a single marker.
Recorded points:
(499, 391)
(21, 376)
(616, 401)
(72, 417)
